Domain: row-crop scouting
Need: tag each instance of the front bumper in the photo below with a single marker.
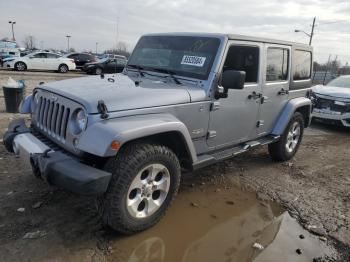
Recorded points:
(55, 167)
(344, 119)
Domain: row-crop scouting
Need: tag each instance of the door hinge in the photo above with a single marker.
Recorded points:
(215, 106)
(260, 123)
(211, 134)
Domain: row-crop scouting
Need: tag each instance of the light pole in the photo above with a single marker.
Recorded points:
(68, 36)
(309, 35)
(96, 47)
(13, 33)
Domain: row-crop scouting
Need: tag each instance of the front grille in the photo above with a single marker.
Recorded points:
(52, 117)
(323, 103)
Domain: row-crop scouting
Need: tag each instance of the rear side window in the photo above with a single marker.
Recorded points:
(85, 57)
(121, 62)
(52, 56)
(40, 55)
(302, 65)
(277, 64)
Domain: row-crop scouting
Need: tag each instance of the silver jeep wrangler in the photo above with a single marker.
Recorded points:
(183, 101)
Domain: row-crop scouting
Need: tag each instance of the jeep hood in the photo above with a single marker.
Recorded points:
(123, 93)
(340, 92)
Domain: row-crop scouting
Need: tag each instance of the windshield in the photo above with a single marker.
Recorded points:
(340, 82)
(182, 55)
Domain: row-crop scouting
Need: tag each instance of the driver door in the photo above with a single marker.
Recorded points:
(37, 61)
(234, 119)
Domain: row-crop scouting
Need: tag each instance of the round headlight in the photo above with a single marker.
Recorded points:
(81, 119)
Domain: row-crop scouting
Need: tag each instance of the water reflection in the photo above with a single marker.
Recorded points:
(223, 227)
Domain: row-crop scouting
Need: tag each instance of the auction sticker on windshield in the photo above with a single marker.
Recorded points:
(193, 60)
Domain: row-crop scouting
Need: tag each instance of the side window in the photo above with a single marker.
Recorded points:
(52, 56)
(277, 64)
(84, 57)
(244, 58)
(40, 55)
(121, 62)
(302, 65)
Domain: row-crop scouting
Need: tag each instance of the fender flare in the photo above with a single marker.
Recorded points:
(98, 137)
(289, 109)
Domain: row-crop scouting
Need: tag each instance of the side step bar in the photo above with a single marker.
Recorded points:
(208, 159)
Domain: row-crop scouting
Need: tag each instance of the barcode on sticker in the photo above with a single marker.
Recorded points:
(193, 60)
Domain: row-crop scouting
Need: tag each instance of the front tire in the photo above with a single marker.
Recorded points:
(145, 180)
(63, 69)
(98, 71)
(20, 66)
(287, 146)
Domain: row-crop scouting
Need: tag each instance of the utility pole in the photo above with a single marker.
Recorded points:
(96, 48)
(312, 30)
(13, 33)
(68, 36)
(311, 35)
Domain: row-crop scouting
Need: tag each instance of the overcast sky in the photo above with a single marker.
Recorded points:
(91, 21)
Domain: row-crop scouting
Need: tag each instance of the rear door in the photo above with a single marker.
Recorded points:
(275, 86)
(52, 62)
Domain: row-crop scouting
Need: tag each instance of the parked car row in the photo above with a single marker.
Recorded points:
(43, 60)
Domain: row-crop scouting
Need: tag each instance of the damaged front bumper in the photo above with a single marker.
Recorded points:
(55, 167)
(331, 116)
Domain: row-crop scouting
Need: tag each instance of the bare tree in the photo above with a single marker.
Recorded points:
(29, 42)
(120, 49)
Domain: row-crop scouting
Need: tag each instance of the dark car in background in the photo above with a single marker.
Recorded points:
(81, 59)
(107, 65)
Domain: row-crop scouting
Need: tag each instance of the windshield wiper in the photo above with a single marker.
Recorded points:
(169, 72)
(139, 68)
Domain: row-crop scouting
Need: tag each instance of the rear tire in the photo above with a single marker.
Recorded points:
(20, 66)
(145, 180)
(287, 146)
(63, 69)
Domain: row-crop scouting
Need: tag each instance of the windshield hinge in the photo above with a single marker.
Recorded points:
(215, 106)
(102, 109)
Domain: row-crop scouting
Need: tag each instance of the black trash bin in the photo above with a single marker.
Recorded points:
(13, 97)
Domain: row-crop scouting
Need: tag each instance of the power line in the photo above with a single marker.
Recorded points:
(334, 22)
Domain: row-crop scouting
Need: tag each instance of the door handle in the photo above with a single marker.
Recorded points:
(283, 92)
(254, 95)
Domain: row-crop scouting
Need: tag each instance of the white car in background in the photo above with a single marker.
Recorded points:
(331, 102)
(41, 61)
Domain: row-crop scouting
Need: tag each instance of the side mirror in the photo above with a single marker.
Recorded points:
(232, 79)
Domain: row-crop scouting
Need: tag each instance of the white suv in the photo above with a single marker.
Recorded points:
(41, 61)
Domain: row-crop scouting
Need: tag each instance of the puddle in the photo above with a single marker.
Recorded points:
(219, 226)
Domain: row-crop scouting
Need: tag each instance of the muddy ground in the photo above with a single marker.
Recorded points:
(220, 210)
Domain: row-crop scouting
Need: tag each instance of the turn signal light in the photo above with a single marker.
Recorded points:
(115, 145)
